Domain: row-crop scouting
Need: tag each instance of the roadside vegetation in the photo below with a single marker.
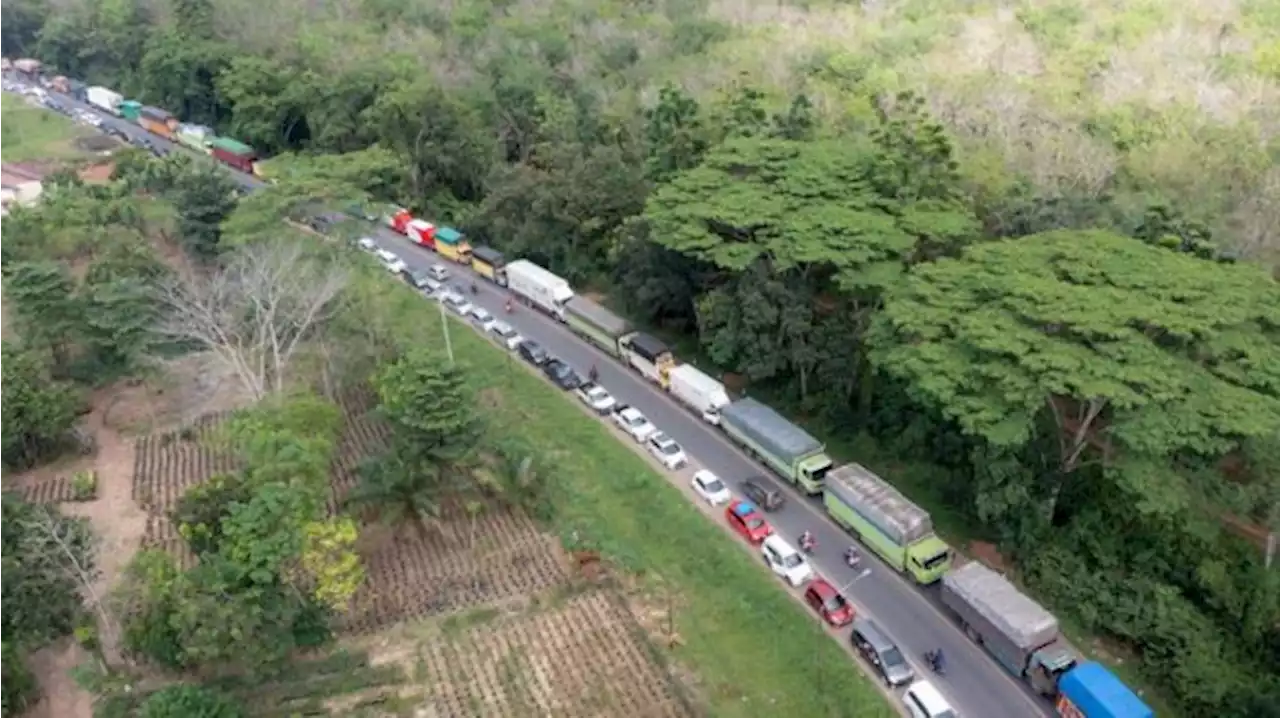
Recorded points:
(364, 485)
(1025, 253)
(36, 134)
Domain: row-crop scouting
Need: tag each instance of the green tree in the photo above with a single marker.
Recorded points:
(436, 432)
(48, 558)
(188, 701)
(20, 686)
(43, 300)
(204, 196)
(38, 411)
(1133, 353)
(676, 134)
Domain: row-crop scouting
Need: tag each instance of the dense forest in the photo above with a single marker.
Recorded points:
(988, 241)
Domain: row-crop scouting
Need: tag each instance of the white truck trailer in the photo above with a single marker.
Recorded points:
(698, 391)
(539, 287)
(104, 99)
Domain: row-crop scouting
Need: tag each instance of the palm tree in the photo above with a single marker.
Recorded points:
(515, 478)
(399, 491)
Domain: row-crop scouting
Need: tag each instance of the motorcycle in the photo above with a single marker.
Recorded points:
(475, 289)
(808, 543)
(509, 306)
(935, 661)
(852, 558)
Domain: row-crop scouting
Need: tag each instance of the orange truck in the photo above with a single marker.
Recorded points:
(157, 121)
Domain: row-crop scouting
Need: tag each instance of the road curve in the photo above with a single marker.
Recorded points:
(974, 684)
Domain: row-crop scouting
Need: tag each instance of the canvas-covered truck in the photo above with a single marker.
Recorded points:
(233, 153)
(698, 391)
(539, 287)
(103, 98)
(1019, 633)
(596, 324)
(194, 137)
(490, 264)
(158, 121)
(648, 355)
(451, 244)
(786, 448)
(886, 522)
(1091, 691)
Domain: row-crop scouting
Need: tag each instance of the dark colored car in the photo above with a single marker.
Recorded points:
(415, 279)
(562, 374)
(762, 493)
(881, 652)
(533, 352)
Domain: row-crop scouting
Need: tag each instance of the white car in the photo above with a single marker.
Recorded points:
(506, 334)
(596, 397)
(710, 488)
(458, 303)
(390, 261)
(438, 273)
(367, 244)
(633, 422)
(482, 318)
(924, 701)
(666, 450)
(785, 561)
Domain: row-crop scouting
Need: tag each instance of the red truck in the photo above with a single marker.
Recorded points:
(233, 153)
(422, 232)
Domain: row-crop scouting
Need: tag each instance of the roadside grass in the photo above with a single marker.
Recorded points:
(750, 648)
(34, 133)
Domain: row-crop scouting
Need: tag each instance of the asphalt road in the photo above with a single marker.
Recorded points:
(974, 684)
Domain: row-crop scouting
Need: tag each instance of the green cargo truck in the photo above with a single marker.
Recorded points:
(785, 447)
(131, 110)
(886, 522)
(596, 324)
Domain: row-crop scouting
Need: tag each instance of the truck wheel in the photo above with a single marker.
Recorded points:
(972, 634)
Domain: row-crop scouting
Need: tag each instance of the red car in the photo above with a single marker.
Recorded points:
(834, 608)
(747, 520)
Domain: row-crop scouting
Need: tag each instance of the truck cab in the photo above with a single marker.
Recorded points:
(1048, 665)
(813, 472)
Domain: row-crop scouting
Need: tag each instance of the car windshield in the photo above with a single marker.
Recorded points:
(482, 315)
(637, 421)
(504, 331)
(792, 560)
(597, 394)
(714, 486)
(670, 449)
(754, 522)
(892, 657)
(835, 603)
(940, 558)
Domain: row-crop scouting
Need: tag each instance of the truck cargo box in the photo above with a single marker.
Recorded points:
(647, 347)
(613, 327)
(698, 391)
(1011, 625)
(883, 506)
(1091, 691)
(769, 430)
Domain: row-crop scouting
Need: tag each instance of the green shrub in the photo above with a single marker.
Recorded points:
(187, 701)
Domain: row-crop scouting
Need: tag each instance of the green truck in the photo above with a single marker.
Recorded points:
(596, 324)
(130, 110)
(886, 522)
(784, 447)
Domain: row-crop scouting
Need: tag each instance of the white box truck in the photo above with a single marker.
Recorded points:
(539, 287)
(698, 391)
(104, 99)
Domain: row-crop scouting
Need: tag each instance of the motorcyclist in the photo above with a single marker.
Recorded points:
(509, 306)
(807, 541)
(475, 288)
(936, 661)
(851, 556)
(593, 374)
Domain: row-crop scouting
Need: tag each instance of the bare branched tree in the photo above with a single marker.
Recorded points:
(65, 547)
(256, 313)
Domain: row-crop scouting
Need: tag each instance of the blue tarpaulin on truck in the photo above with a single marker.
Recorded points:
(1098, 693)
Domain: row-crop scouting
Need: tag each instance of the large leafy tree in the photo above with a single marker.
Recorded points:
(38, 411)
(1135, 353)
(204, 196)
(47, 560)
(436, 431)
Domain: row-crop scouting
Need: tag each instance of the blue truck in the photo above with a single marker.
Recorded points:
(1091, 691)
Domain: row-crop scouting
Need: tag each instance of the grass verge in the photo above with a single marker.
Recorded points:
(33, 133)
(750, 647)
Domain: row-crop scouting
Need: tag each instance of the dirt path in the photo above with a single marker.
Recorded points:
(120, 525)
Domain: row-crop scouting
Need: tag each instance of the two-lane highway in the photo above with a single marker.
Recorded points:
(977, 687)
